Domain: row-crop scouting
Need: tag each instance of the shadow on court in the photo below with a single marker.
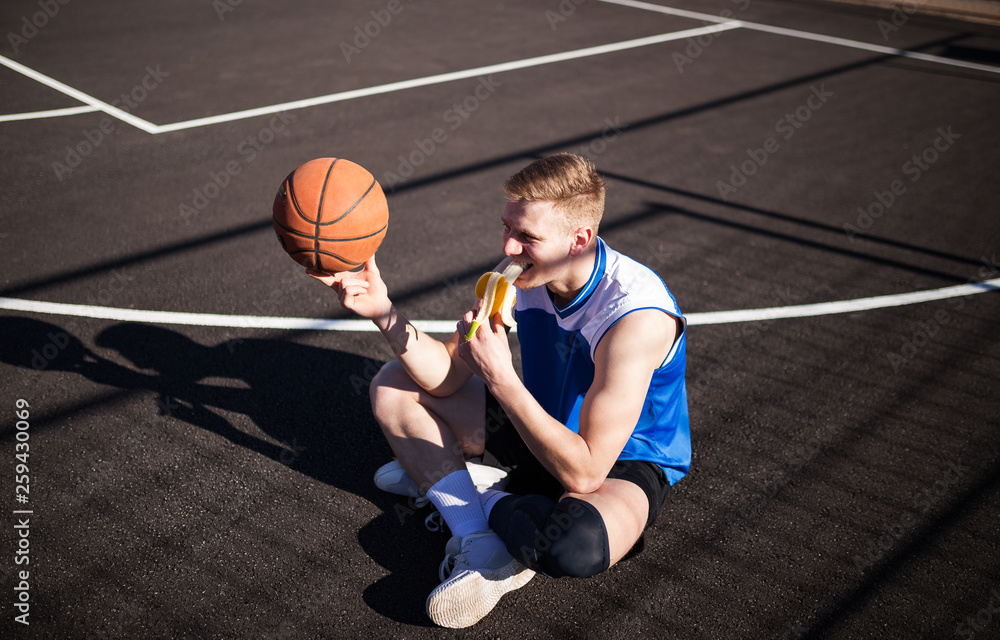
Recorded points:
(312, 403)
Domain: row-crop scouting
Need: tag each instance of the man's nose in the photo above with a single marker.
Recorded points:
(511, 247)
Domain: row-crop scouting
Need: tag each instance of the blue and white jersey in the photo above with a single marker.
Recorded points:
(557, 355)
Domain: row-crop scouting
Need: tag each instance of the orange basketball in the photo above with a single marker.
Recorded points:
(330, 215)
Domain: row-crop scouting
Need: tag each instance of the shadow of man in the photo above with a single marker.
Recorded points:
(312, 403)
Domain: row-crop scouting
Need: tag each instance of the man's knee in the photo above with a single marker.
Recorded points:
(388, 387)
(574, 541)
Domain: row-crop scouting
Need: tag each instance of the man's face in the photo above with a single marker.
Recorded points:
(536, 234)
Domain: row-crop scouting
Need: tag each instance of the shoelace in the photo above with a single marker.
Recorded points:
(433, 522)
(449, 564)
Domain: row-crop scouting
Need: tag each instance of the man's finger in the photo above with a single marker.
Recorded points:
(498, 326)
(354, 282)
(325, 278)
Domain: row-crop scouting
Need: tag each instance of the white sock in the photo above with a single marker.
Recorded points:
(490, 497)
(455, 496)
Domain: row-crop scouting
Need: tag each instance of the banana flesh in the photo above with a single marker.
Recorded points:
(497, 290)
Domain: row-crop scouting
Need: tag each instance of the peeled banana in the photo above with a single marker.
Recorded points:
(497, 290)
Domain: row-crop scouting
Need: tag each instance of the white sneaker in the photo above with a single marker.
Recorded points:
(476, 572)
(392, 478)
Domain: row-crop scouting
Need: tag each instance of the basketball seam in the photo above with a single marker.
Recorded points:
(319, 213)
(328, 253)
(299, 234)
(353, 206)
(295, 201)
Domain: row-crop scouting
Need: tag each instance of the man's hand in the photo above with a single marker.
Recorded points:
(362, 292)
(487, 353)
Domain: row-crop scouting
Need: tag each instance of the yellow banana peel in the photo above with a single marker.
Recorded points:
(498, 292)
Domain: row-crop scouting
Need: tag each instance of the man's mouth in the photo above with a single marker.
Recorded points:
(527, 267)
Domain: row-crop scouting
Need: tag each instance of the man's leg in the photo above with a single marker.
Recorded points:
(624, 508)
(579, 536)
(430, 436)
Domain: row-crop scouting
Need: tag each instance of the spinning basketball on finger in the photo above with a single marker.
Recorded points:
(557, 474)
(330, 215)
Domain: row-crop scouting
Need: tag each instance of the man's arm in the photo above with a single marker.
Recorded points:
(432, 364)
(624, 364)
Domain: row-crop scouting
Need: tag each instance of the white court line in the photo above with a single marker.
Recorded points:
(805, 35)
(843, 306)
(99, 105)
(448, 326)
(451, 76)
(722, 24)
(367, 91)
(52, 113)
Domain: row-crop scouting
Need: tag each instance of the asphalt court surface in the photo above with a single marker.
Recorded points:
(215, 481)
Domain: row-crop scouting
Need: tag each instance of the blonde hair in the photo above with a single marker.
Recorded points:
(569, 181)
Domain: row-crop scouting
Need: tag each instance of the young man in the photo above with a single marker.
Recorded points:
(594, 436)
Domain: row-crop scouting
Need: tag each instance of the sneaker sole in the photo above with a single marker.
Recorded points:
(465, 601)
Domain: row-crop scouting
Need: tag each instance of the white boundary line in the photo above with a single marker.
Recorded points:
(721, 24)
(843, 306)
(98, 105)
(52, 113)
(451, 76)
(446, 326)
(367, 91)
(804, 35)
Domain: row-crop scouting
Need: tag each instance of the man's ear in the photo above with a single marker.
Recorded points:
(582, 238)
